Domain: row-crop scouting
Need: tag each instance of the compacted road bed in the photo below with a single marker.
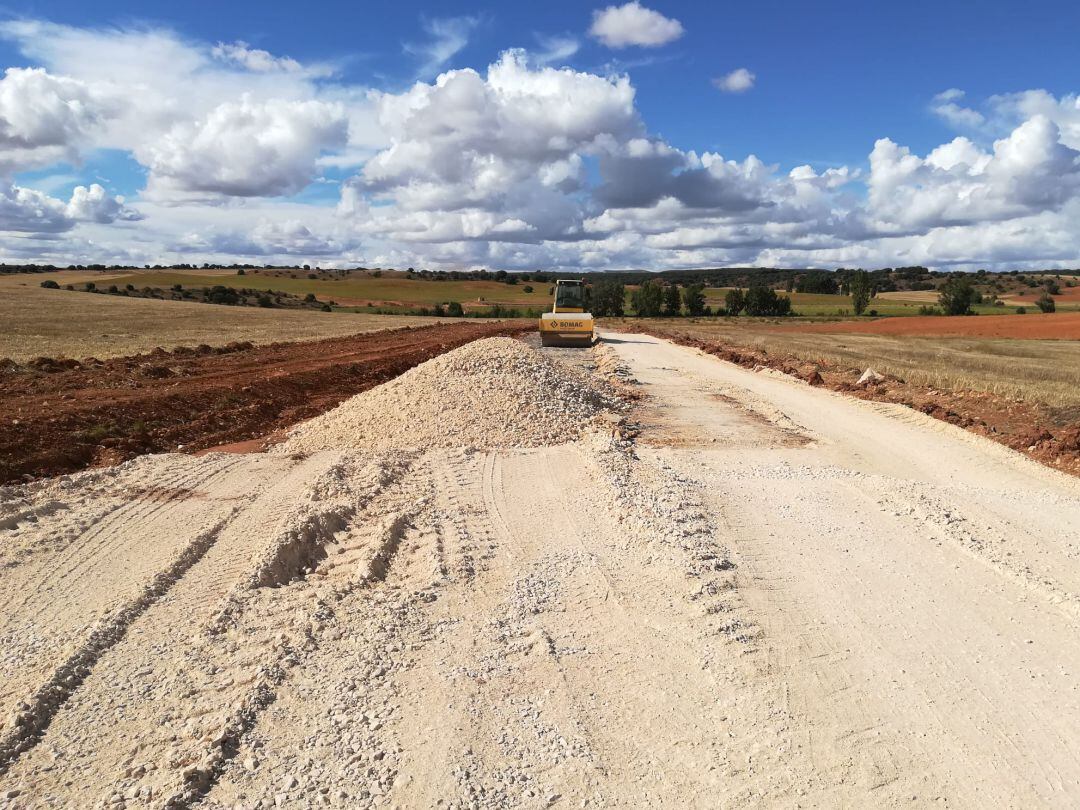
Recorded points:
(639, 577)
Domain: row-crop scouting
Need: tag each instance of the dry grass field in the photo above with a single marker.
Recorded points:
(59, 323)
(1038, 371)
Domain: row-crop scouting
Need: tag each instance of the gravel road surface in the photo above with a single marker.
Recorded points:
(735, 590)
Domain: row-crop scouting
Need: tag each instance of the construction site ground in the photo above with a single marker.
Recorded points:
(733, 589)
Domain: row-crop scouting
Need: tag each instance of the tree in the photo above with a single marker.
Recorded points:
(672, 300)
(694, 299)
(859, 285)
(49, 284)
(734, 301)
(648, 299)
(821, 282)
(1045, 302)
(957, 295)
(764, 301)
(609, 299)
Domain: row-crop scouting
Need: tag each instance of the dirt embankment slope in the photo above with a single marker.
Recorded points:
(59, 417)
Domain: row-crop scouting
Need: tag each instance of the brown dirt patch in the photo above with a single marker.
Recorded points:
(1051, 326)
(60, 417)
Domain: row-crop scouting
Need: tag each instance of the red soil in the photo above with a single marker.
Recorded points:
(1052, 326)
(58, 416)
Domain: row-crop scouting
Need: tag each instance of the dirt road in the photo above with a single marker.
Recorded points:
(772, 596)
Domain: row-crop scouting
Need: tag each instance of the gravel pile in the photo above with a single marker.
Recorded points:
(496, 392)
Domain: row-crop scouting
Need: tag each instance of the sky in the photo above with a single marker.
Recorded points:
(557, 135)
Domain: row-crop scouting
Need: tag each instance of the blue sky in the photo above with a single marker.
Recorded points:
(897, 172)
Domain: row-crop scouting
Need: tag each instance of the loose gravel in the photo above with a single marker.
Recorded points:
(496, 392)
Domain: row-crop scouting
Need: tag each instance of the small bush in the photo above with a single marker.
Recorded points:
(454, 310)
(312, 275)
(177, 287)
(1045, 303)
(309, 298)
(326, 308)
(264, 301)
(1021, 310)
(69, 286)
(90, 286)
(49, 284)
(241, 272)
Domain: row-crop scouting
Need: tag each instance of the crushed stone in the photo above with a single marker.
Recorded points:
(496, 392)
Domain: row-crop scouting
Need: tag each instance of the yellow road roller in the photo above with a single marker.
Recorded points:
(568, 324)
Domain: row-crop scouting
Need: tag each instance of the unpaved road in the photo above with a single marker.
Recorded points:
(773, 596)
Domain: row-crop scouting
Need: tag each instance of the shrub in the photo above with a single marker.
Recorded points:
(49, 284)
(309, 298)
(957, 295)
(113, 289)
(69, 287)
(527, 289)
(312, 275)
(1021, 310)
(177, 287)
(1045, 303)
(454, 310)
(872, 313)
(326, 308)
(129, 287)
(264, 301)
(241, 272)
(219, 294)
(90, 286)
(925, 310)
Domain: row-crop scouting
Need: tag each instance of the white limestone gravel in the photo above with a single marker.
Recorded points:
(496, 392)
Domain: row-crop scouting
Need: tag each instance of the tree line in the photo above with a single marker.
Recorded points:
(654, 300)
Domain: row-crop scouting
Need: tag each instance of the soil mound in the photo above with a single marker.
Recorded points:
(496, 392)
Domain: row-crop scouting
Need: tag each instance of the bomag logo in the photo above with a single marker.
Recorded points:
(583, 325)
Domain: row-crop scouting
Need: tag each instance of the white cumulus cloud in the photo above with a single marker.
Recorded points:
(738, 81)
(634, 24)
(46, 118)
(93, 204)
(245, 149)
